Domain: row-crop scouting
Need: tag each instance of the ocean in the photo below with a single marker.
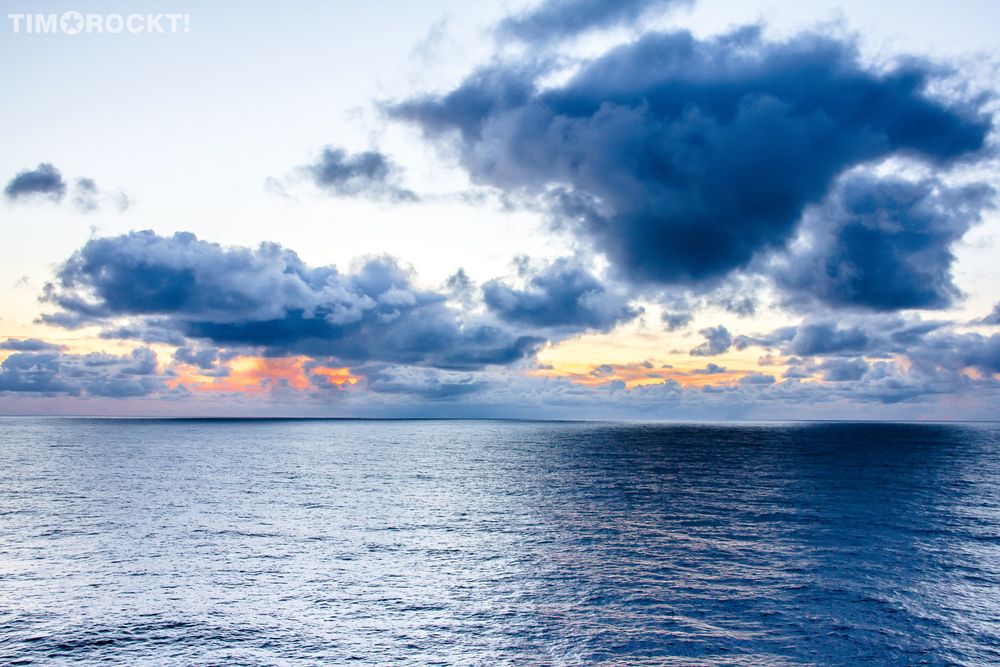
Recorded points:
(312, 542)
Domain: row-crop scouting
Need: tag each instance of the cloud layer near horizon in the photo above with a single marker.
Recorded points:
(259, 322)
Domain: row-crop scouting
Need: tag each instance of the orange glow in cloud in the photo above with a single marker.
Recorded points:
(337, 376)
(258, 375)
(573, 360)
(637, 374)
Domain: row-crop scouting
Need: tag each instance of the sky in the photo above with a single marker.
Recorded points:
(586, 209)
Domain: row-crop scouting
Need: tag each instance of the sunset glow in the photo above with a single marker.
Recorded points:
(259, 375)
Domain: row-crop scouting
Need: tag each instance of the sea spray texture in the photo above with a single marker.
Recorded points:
(307, 542)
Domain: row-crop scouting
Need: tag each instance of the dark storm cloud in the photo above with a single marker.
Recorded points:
(682, 158)
(560, 295)
(43, 181)
(368, 173)
(883, 244)
(554, 20)
(717, 340)
(268, 298)
(97, 374)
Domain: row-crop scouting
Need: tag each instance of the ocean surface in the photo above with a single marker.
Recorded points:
(166, 542)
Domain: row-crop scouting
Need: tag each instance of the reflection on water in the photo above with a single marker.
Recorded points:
(276, 542)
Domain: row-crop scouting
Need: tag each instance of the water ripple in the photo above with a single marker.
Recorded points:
(308, 542)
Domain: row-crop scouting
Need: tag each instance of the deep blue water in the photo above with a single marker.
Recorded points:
(461, 542)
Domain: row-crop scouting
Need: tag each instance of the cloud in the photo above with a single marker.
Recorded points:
(744, 306)
(717, 340)
(877, 335)
(602, 371)
(838, 387)
(267, 298)
(96, 374)
(882, 244)
(950, 352)
(35, 373)
(45, 181)
(560, 295)
(367, 173)
(827, 338)
(674, 321)
(709, 369)
(554, 20)
(205, 359)
(87, 197)
(843, 370)
(422, 384)
(28, 345)
(460, 287)
(928, 352)
(681, 158)
(150, 330)
(981, 353)
(208, 361)
(992, 318)
(757, 379)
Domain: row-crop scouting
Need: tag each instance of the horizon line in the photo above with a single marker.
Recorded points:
(502, 419)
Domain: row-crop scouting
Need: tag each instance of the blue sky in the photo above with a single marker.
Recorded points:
(572, 208)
